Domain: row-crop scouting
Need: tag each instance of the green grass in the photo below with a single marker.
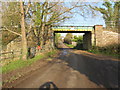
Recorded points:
(69, 45)
(107, 53)
(23, 63)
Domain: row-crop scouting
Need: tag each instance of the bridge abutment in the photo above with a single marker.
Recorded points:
(93, 38)
(98, 30)
(87, 41)
(93, 34)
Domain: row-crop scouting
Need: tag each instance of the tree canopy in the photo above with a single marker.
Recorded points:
(111, 13)
(68, 38)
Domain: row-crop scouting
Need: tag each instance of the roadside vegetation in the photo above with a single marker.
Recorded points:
(111, 50)
(17, 64)
(57, 39)
(79, 41)
(70, 38)
(69, 45)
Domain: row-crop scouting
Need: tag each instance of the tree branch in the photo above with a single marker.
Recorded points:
(12, 32)
(28, 6)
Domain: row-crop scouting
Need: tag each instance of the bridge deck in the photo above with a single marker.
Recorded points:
(73, 28)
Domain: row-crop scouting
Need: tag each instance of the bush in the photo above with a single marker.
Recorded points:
(68, 38)
(13, 65)
(111, 50)
(79, 46)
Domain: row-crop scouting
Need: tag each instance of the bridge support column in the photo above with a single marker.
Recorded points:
(87, 41)
(93, 38)
(98, 35)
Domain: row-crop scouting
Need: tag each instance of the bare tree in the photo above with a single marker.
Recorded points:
(23, 32)
(46, 14)
(14, 20)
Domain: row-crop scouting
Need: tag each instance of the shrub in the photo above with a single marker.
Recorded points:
(111, 50)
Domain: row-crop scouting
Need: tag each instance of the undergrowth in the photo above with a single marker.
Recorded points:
(13, 65)
(111, 50)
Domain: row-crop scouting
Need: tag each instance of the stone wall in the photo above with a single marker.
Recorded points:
(105, 37)
(15, 45)
(109, 38)
(12, 50)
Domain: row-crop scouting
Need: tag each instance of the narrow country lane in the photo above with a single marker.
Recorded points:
(74, 69)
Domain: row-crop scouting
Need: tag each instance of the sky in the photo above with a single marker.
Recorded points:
(88, 20)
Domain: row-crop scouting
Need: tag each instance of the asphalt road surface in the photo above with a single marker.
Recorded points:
(74, 69)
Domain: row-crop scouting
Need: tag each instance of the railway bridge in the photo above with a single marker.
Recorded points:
(92, 36)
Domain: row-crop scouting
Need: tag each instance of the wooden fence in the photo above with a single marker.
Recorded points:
(10, 55)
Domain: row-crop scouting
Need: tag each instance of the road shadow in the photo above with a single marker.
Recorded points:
(102, 72)
(48, 86)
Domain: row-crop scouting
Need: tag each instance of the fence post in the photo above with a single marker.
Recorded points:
(20, 54)
(13, 54)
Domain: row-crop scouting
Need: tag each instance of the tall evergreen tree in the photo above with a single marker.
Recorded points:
(110, 13)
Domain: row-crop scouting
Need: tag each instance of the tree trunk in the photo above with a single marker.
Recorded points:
(42, 32)
(23, 32)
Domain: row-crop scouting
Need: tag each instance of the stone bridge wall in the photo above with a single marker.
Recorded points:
(105, 37)
(109, 38)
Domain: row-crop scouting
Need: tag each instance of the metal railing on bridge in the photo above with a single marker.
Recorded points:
(73, 28)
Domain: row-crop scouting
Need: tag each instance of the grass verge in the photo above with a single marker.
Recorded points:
(22, 63)
(107, 53)
(69, 45)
